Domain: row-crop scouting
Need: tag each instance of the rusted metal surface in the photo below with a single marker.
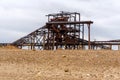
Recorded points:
(33, 39)
(63, 30)
(71, 22)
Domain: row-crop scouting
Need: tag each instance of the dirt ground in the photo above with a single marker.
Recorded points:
(18, 64)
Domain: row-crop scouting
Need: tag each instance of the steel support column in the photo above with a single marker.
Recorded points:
(89, 36)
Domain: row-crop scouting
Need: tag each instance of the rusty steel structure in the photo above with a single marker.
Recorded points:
(105, 44)
(63, 30)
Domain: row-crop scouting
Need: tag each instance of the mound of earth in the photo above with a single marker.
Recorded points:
(18, 64)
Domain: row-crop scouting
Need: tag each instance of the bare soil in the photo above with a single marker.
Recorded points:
(18, 64)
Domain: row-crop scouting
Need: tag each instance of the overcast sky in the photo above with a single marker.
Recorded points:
(19, 17)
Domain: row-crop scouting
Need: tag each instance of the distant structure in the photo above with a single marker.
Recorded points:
(63, 30)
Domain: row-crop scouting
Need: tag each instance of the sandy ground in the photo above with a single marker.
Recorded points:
(18, 64)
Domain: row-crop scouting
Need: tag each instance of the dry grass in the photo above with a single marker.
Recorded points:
(8, 47)
(18, 64)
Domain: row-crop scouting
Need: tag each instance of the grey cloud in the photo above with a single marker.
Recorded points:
(24, 16)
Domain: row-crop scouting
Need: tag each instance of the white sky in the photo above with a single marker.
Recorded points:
(19, 17)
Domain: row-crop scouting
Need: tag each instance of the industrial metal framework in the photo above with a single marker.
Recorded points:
(63, 30)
